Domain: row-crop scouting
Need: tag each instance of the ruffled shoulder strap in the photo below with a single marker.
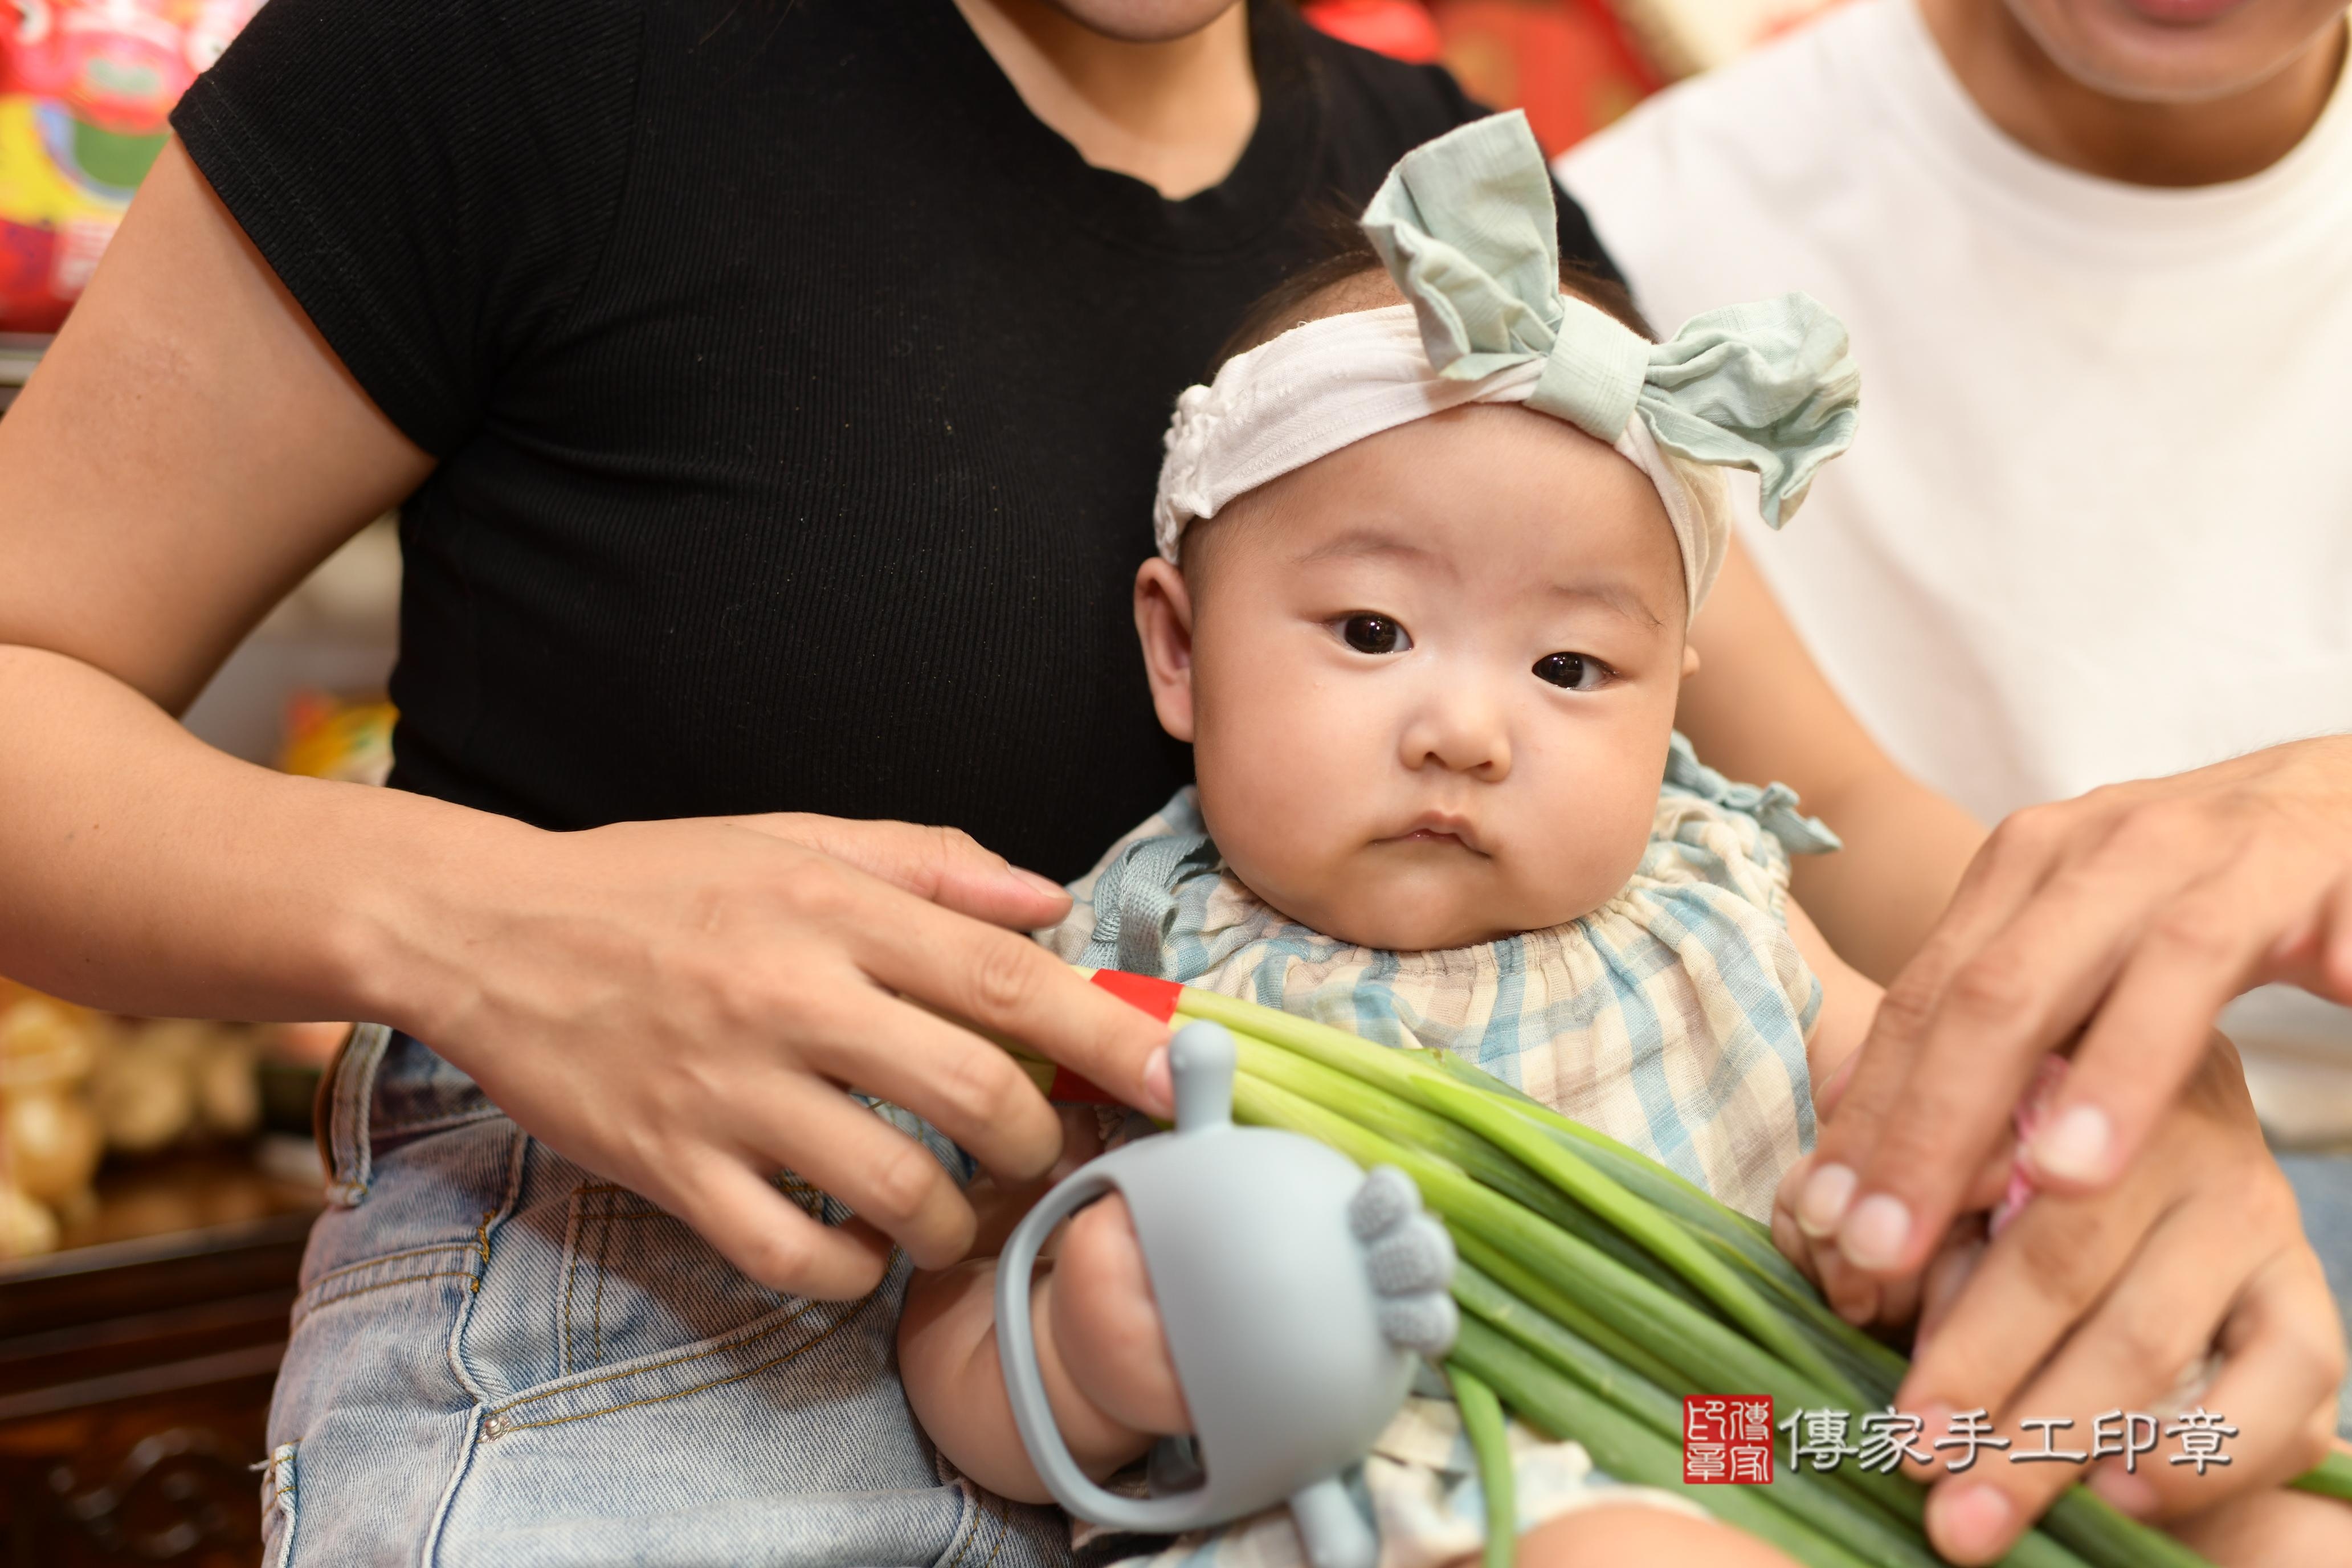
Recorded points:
(1131, 898)
(1773, 805)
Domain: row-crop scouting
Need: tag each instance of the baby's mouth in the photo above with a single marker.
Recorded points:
(1437, 828)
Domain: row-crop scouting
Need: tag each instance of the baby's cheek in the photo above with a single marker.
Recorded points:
(1281, 773)
(1578, 859)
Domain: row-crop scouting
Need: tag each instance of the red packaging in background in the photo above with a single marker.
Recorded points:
(85, 89)
(1573, 65)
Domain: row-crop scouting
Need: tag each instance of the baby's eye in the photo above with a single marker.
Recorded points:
(1574, 671)
(1374, 634)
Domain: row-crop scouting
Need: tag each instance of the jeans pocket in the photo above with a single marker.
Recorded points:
(638, 1281)
(836, 1347)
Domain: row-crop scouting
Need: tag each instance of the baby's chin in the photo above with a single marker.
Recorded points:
(1413, 913)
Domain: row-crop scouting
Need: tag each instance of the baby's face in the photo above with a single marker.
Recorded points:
(1429, 679)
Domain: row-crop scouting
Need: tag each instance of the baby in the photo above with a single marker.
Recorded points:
(1426, 570)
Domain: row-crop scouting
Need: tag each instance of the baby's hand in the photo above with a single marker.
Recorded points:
(1106, 1324)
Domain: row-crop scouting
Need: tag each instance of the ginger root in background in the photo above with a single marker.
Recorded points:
(75, 1085)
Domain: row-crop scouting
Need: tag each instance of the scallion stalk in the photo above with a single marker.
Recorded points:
(1483, 1424)
(1598, 1285)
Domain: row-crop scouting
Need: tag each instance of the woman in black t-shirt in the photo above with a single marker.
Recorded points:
(771, 390)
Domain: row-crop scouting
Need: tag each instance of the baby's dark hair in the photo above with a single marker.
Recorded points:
(1350, 276)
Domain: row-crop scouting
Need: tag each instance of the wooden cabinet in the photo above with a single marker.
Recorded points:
(135, 1369)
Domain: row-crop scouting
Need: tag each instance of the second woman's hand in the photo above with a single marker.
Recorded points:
(684, 1007)
(2088, 1307)
(2130, 917)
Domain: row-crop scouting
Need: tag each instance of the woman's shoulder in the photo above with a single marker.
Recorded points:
(400, 163)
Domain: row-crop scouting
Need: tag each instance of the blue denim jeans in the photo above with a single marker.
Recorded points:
(2323, 1189)
(498, 1358)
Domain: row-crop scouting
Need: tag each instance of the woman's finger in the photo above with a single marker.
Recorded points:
(2283, 1359)
(770, 1237)
(2027, 989)
(2318, 957)
(1947, 1275)
(2001, 879)
(1850, 1294)
(2157, 1322)
(2039, 1277)
(1787, 1235)
(968, 1088)
(943, 865)
(1006, 984)
(2202, 949)
(797, 1123)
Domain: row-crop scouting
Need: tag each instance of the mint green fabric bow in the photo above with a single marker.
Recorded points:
(1468, 227)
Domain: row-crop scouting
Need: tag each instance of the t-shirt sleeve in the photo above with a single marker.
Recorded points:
(432, 180)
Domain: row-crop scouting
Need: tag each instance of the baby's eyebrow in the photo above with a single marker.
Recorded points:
(1364, 541)
(1609, 594)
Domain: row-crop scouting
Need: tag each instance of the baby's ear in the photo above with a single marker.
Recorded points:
(1163, 622)
(1690, 661)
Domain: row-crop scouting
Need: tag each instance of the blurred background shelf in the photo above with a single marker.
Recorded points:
(136, 1364)
(19, 351)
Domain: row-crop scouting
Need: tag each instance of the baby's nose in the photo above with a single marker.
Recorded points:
(1463, 732)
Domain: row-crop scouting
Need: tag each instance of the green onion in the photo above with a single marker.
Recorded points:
(2332, 1478)
(1597, 1287)
(1482, 1423)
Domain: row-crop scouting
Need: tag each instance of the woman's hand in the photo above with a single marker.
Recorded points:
(2128, 917)
(2096, 1303)
(682, 1006)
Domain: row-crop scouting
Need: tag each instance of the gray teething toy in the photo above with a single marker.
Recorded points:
(1296, 1293)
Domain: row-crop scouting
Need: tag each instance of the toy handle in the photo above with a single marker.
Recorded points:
(1024, 1384)
(1333, 1532)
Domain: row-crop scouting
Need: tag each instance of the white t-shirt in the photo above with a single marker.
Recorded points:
(2097, 523)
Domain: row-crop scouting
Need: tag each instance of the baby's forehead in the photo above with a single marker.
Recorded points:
(1487, 491)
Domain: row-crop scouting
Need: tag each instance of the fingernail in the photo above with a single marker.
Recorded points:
(1971, 1522)
(1041, 884)
(2074, 1147)
(1159, 1081)
(1873, 1235)
(1821, 1206)
(2126, 1492)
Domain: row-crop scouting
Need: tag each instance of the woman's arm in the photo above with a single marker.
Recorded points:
(677, 1006)
(1760, 709)
(187, 451)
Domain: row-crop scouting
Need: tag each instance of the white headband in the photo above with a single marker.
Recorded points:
(1467, 228)
(1332, 383)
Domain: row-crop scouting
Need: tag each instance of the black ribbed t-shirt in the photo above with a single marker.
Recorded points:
(798, 394)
